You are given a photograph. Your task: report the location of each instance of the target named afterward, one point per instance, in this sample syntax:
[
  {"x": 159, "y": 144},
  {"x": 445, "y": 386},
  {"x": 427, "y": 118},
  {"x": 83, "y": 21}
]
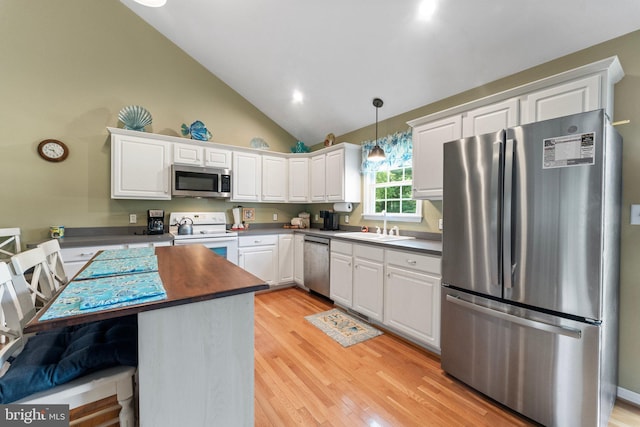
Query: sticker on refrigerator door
[{"x": 569, "y": 150}]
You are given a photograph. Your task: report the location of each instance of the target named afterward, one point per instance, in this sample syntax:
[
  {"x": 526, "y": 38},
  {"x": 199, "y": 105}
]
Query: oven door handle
[{"x": 204, "y": 240}]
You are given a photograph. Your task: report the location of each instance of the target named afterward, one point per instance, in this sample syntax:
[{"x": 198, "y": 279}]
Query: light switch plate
[
  {"x": 133, "y": 218},
  {"x": 635, "y": 214},
  {"x": 275, "y": 217},
  {"x": 440, "y": 224}
]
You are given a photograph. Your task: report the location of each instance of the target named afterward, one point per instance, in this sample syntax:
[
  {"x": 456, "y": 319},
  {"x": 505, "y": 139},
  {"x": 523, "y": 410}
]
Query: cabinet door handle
[
  {"x": 412, "y": 261},
  {"x": 257, "y": 241},
  {"x": 87, "y": 253}
]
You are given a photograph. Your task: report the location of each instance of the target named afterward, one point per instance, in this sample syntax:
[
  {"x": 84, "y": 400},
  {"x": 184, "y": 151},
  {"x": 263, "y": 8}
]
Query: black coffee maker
[
  {"x": 331, "y": 220},
  {"x": 155, "y": 221}
]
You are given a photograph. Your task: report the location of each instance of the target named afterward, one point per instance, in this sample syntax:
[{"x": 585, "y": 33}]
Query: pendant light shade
[{"x": 377, "y": 153}]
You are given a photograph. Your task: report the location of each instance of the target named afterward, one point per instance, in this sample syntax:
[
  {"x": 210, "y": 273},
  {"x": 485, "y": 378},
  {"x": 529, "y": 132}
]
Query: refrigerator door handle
[
  {"x": 558, "y": 330},
  {"x": 494, "y": 250},
  {"x": 507, "y": 266}
]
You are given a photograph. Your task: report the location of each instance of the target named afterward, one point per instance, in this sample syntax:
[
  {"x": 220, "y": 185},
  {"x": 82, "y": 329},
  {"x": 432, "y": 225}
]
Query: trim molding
[{"x": 629, "y": 396}]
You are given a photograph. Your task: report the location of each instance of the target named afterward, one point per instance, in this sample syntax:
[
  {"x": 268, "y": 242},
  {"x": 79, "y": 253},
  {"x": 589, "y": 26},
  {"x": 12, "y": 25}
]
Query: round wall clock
[{"x": 53, "y": 150}]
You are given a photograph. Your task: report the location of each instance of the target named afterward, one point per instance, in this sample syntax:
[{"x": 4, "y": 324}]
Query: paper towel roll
[{"x": 342, "y": 207}]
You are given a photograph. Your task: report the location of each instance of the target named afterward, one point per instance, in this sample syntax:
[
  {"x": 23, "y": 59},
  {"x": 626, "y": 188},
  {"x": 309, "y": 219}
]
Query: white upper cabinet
[
  {"x": 334, "y": 178},
  {"x": 575, "y": 91},
  {"x": 428, "y": 154},
  {"x": 185, "y": 154},
  {"x": 217, "y": 158},
  {"x": 317, "y": 174},
  {"x": 247, "y": 176},
  {"x": 194, "y": 155},
  {"x": 490, "y": 118},
  {"x": 274, "y": 179},
  {"x": 140, "y": 168},
  {"x": 298, "y": 180},
  {"x": 561, "y": 100},
  {"x": 335, "y": 175}
]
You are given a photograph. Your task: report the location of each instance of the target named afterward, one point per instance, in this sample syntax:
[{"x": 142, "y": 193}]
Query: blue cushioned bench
[{"x": 59, "y": 356}]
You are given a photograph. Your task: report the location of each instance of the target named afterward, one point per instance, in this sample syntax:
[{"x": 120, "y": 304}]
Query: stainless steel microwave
[{"x": 195, "y": 181}]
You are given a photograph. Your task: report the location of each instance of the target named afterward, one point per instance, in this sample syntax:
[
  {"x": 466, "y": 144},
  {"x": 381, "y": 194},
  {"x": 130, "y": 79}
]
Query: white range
[{"x": 209, "y": 229}]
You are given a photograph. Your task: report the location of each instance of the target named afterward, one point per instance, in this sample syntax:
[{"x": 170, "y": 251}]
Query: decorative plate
[
  {"x": 134, "y": 117},
  {"x": 197, "y": 130},
  {"x": 259, "y": 144}
]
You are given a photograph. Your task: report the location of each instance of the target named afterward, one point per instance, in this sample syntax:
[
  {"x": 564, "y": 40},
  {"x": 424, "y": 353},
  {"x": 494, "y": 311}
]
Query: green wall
[
  {"x": 67, "y": 67},
  {"x": 627, "y": 107}
]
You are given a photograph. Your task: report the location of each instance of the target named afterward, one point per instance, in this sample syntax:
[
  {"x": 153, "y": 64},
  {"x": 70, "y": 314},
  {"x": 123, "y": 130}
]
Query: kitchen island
[{"x": 196, "y": 347}]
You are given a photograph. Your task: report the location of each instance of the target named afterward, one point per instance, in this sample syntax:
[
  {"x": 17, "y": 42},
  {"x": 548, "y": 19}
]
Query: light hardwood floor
[{"x": 304, "y": 378}]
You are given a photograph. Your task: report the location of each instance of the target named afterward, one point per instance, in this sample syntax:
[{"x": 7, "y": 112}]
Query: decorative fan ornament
[{"x": 134, "y": 117}]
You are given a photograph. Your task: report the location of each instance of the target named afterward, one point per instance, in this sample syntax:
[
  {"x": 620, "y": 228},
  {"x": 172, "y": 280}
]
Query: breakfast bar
[{"x": 196, "y": 347}]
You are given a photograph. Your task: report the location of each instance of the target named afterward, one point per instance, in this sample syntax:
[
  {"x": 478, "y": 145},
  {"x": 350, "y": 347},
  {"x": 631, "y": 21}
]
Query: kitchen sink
[{"x": 372, "y": 237}]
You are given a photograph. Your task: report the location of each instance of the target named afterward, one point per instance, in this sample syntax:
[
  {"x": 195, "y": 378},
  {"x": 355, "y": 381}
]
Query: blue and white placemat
[
  {"x": 125, "y": 253},
  {"x": 87, "y": 296},
  {"x": 114, "y": 267}
]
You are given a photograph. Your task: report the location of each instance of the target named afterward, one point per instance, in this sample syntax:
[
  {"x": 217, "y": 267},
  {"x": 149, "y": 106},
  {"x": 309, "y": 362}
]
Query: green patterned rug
[{"x": 343, "y": 328}]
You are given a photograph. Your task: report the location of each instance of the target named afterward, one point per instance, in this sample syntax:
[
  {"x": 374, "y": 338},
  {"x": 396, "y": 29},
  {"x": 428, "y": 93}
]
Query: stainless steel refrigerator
[{"x": 530, "y": 267}]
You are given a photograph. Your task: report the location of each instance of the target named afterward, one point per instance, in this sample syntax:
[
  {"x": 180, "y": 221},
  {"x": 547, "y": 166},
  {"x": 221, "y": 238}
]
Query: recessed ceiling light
[
  {"x": 152, "y": 3},
  {"x": 426, "y": 10},
  {"x": 297, "y": 97}
]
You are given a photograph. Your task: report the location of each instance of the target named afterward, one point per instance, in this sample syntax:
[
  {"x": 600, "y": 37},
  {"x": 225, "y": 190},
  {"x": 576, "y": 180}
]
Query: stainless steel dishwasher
[{"x": 316, "y": 264}]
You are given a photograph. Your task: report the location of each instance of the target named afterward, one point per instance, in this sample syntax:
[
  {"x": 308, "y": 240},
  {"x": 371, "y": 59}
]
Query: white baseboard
[{"x": 629, "y": 396}]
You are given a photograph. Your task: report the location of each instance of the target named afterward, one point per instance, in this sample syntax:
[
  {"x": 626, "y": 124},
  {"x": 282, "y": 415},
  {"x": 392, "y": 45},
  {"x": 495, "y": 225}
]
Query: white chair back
[
  {"x": 52, "y": 251},
  {"x": 17, "y": 310},
  {"x": 41, "y": 283},
  {"x": 9, "y": 243}
]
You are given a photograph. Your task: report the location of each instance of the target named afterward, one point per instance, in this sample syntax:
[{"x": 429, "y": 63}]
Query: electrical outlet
[
  {"x": 133, "y": 218},
  {"x": 316, "y": 218},
  {"x": 440, "y": 224},
  {"x": 275, "y": 217},
  {"x": 346, "y": 219},
  {"x": 635, "y": 215}
]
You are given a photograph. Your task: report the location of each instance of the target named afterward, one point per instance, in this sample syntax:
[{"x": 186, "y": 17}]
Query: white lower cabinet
[
  {"x": 368, "y": 280},
  {"x": 76, "y": 258},
  {"x": 298, "y": 259},
  {"x": 285, "y": 258},
  {"x": 399, "y": 289},
  {"x": 412, "y": 295},
  {"x": 259, "y": 256},
  {"x": 341, "y": 273}
]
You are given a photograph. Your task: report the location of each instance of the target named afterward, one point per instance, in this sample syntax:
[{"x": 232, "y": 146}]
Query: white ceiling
[{"x": 340, "y": 54}]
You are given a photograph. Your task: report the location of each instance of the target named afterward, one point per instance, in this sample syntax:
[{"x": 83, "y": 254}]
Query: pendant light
[{"x": 377, "y": 153}]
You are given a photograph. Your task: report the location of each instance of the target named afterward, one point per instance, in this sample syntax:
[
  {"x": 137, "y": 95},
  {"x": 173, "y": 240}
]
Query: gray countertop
[
  {"x": 122, "y": 235},
  {"x": 430, "y": 246}
]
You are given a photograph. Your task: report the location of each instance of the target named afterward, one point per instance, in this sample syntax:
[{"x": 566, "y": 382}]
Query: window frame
[{"x": 368, "y": 209}]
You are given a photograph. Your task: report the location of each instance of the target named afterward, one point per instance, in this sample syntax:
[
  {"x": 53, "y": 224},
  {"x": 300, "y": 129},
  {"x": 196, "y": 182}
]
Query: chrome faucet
[{"x": 384, "y": 227}]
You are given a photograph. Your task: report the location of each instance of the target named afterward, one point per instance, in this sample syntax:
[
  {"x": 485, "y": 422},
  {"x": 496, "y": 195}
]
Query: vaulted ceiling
[{"x": 340, "y": 54}]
